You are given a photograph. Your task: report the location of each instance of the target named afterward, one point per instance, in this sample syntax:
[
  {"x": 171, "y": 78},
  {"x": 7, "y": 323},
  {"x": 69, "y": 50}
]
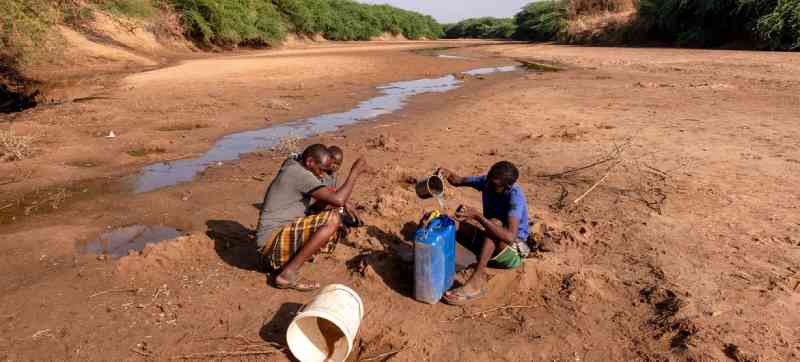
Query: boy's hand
[
  {"x": 464, "y": 213},
  {"x": 447, "y": 175}
]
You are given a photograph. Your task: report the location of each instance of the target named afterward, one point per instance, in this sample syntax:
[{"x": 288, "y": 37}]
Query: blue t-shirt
[{"x": 503, "y": 206}]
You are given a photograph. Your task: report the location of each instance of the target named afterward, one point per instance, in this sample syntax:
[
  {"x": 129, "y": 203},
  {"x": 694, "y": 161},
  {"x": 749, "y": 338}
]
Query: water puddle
[
  {"x": 438, "y": 53},
  {"x": 14, "y": 207},
  {"x": 448, "y": 56},
  {"x": 394, "y": 97},
  {"x": 432, "y": 51},
  {"x": 488, "y": 71},
  {"x": 540, "y": 66},
  {"x": 120, "y": 242}
]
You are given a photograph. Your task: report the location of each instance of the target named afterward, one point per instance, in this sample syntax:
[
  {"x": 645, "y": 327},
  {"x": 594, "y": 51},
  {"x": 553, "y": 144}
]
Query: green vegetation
[
  {"x": 481, "y": 28},
  {"x": 771, "y": 24},
  {"x": 541, "y": 20},
  {"x": 24, "y": 26},
  {"x": 780, "y": 27},
  {"x": 141, "y": 9},
  {"x": 231, "y": 22},
  {"x": 76, "y": 16},
  {"x": 254, "y": 22}
]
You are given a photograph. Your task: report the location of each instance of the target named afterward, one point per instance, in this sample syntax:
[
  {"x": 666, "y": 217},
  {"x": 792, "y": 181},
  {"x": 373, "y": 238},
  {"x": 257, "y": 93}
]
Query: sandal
[
  {"x": 459, "y": 297},
  {"x": 299, "y": 284}
]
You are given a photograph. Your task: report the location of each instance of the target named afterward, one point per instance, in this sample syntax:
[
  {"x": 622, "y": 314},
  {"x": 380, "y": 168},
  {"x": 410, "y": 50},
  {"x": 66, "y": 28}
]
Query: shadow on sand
[
  {"x": 234, "y": 243},
  {"x": 274, "y": 331}
]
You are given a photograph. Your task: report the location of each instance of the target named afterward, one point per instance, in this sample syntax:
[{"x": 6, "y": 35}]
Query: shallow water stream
[{"x": 393, "y": 98}]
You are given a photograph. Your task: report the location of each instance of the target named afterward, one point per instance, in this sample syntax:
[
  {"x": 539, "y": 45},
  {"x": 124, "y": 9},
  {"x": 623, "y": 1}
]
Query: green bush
[
  {"x": 481, "y": 28},
  {"x": 76, "y": 16},
  {"x": 780, "y": 27},
  {"x": 141, "y": 9},
  {"x": 768, "y": 23},
  {"x": 231, "y": 22},
  {"x": 24, "y": 29},
  {"x": 541, "y": 20},
  {"x": 259, "y": 22}
]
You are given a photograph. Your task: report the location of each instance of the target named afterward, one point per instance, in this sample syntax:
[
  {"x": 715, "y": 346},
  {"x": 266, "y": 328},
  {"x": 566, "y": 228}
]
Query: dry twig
[
  {"x": 222, "y": 354},
  {"x": 382, "y": 355},
  {"x": 595, "y": 185},
  {"x": 42, "y": 333},
  {"x": 578, "y": 169},
  {"x": 141, "y": 353},
  {"x": 110, "y": 291},
  {"x": 558, "y": 205},
  {"x": 495, "y": 309}
]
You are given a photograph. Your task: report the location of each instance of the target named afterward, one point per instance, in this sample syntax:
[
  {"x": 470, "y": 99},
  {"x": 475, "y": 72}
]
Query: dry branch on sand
[
  {"x": 131, "y": 290},
  {"x": 224, "y": 354},
  {"x": 490, "y": 310},
  {"x": 644, "y": 182},
  {"x": 381, "y": 356},
  {"x": 14, "y": 147}
]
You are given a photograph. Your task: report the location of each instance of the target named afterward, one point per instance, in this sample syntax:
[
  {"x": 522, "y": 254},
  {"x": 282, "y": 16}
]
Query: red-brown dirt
[{"x": 688, "y": 249}]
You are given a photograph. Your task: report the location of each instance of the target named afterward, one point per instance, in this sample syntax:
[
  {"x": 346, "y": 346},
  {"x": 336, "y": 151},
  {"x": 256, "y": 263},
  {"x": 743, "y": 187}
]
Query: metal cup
[{"x": 431, "y": 186}]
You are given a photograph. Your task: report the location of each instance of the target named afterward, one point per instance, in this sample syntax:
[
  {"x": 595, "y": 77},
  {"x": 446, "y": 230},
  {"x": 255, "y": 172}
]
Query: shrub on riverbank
[
  {"x": 24, "y": 28},
  {"x": 25, "y": 25},
  {"x": 541, "y": 20},
  {"x": 481, "y": 28},
  {"x": 226, "y": 22},
  {"x": 780, "y": 27},
  {"x": 772, "y": 24},
  {"x": 231, "y": 22}
]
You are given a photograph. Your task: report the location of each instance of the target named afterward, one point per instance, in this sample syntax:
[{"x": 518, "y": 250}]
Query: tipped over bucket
[{"x": 326, "y": 328}]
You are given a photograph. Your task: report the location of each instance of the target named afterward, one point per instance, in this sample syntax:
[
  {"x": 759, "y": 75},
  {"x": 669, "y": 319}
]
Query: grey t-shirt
[
  {"x": 287, "y": 198},
  {"x": 329, "y": 180}
]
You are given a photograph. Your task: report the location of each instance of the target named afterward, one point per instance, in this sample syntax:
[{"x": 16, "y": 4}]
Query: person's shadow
[
  {"x": 394, "y": 265},
  {"x": 274, "y": 331},
  {"x": 234, "y": 243}
]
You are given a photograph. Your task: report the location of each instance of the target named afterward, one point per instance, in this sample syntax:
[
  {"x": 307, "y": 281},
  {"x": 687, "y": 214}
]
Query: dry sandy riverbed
[{"x": 689, "y": 250}]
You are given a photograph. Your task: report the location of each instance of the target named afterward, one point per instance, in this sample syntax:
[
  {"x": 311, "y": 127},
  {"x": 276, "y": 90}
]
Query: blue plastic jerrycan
[{"x": 434, "y": 259}]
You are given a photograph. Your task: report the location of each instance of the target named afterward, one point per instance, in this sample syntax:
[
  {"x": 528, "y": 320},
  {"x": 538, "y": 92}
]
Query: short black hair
[
  {"x": 504, "y": 171},
  {"x": 316, "y": 152},
  {"x": 335, "y": 150}
]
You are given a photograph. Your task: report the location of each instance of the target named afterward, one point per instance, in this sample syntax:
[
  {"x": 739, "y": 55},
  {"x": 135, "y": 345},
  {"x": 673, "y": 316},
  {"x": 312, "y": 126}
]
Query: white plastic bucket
[{"x": 326, "y": 328}]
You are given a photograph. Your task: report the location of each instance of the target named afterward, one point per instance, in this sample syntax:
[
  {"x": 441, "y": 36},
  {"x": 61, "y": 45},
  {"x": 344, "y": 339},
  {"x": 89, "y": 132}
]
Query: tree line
[
  {"x": 762, "y": 24},
  {"x": 27, "y": 26}
]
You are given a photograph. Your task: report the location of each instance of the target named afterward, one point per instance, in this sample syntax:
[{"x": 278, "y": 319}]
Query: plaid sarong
[{"x": 285, "y": 242}]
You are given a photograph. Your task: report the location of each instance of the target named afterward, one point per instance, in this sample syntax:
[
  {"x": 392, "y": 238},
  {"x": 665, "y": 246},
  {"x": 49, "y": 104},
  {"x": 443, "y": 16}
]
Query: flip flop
[
  {"x": 458, "y": 297},
  {"x": 299, "y": 284}
]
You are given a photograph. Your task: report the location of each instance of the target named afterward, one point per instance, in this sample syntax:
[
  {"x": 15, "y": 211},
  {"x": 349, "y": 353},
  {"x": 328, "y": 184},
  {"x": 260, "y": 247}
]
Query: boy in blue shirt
[{"x": 503, "y": 241}]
